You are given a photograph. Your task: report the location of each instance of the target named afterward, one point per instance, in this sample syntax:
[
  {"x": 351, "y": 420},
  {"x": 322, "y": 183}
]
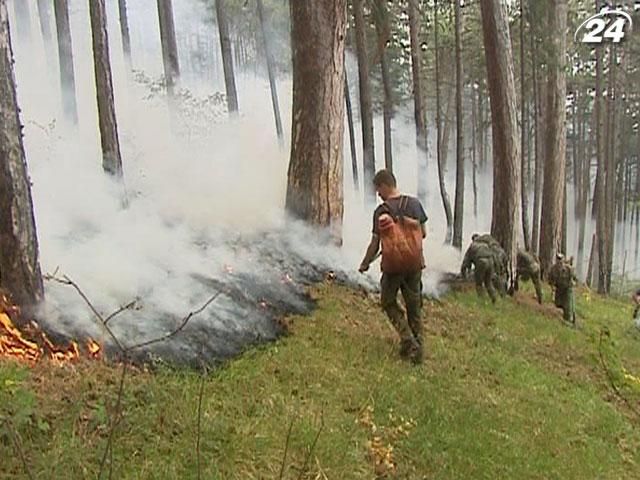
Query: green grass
[{"x": 505, "y": 392}]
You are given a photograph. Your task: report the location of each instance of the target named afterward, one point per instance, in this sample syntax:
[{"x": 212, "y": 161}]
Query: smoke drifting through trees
[{"x": 220, "y": 173}]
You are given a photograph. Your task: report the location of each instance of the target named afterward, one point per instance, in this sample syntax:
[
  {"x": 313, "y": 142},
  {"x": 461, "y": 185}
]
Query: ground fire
[{"x": 31, "y": 344}]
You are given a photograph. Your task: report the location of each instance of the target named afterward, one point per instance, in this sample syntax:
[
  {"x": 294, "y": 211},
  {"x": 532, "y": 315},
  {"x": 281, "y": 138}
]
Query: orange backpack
[{"x": 401, "y": 239}]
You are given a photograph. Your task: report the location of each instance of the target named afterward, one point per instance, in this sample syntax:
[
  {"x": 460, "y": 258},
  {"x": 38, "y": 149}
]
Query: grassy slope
[{"x": 506, "y": 392}]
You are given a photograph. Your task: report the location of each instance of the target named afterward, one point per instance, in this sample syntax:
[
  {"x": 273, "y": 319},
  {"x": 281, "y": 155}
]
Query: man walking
[
  {"x": 399, "y": 227},
  {"x": 562, "y": 278}
]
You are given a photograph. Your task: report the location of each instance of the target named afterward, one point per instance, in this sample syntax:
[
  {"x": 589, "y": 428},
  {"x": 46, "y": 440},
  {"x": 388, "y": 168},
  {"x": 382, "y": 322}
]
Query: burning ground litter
[{"x": 263, "y": 279}]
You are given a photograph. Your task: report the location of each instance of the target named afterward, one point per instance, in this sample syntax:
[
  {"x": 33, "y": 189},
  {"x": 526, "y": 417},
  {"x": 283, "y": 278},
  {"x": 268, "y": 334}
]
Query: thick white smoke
[{"x": 194, "y": 196}]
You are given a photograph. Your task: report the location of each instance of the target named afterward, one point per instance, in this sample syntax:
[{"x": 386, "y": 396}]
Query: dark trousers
[{"x": 410, "y": 285}]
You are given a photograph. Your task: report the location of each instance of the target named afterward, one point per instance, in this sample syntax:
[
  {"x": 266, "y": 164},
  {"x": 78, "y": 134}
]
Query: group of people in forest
[
  {"x": 398, "y": 231},
  {"x": 491, "y": 269}
]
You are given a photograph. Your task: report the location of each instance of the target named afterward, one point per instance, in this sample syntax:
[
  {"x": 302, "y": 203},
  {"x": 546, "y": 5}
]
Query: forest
[{"x": 186, "y": 192}]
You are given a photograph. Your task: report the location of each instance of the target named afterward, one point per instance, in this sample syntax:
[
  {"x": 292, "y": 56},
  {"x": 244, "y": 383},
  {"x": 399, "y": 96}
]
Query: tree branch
[{"x": 183, "y": 324}]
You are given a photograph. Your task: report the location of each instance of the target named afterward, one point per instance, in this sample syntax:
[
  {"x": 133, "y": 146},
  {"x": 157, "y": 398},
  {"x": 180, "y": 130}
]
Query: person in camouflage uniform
[
  {"x": 483, "y": 259},
  {"x": 500, "y": 263},
  {"x": 562, "y": 278},
  {"x": 528, "y": 268}
]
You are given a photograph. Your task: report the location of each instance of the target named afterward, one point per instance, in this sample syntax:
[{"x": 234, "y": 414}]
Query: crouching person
[{"x": 399, "y": 227}]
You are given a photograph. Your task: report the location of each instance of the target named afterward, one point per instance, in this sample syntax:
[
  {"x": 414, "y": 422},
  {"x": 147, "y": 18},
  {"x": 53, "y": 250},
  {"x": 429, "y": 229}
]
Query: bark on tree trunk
[
  {"x": 418, "y": 98},
  {"x": 111, "y": 158},
  {"x": 65, "y": 56},
  {"x": 506, "y": 151},
  {"x": 555, "y": 138},
  {"x": 366, "y": 112},
  {"x": 168, "y": 43},
  {"x": 459, "y": 200},
  {"x": 271, "y": 72},
  {"x": 19, "y": 265},
  {"x": 441, "y": 145},
  {"x": 315, "y": 180},
  {"x": 124, "y": 31}
]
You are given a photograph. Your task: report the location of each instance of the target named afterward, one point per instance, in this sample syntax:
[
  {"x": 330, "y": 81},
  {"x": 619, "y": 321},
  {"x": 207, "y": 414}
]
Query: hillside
[{"x": 505, "y": 392}]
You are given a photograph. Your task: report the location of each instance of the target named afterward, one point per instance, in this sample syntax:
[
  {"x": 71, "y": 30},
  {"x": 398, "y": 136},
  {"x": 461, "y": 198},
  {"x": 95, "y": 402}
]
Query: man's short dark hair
[{"x": 385, "y": 177}]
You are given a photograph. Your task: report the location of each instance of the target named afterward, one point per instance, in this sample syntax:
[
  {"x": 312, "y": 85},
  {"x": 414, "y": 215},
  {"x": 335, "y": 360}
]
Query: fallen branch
[{"x": 616, "y": 390}]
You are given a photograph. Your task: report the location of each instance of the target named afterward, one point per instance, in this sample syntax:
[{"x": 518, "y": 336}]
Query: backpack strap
[{"x": 400, "y": 210}]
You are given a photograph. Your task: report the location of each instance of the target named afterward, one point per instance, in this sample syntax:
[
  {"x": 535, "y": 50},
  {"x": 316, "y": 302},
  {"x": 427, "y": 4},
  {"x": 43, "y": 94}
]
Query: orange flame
[{"x": 14, "y": 344}]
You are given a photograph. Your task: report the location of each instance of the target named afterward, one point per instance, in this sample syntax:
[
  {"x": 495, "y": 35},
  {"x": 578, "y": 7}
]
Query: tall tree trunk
[
  {"x": 23, "y": 19},
  {"x": 19, "y": 265},
  {"x": 593, "y": 260},
  {"x": 111, "y": 158},
  {"x": 65, "y": 56},
  {"x": 506, "y": 151},
  {"x": 441, "y": 145},
  {"x": 611, "y": 166},
  {"x": 584, "y": 196},
  {"x": 352, "y": 133},
  {"x": 576, "y": 150},
  {"x": 523, "y": 132},
  {"x": 366, "y": 112},
  {"x": 555, "y": 138},
  {"x": 387, "y": 113},
  {"x": 459, "y": 200},
  {"x": 383, "y": 29},
  {"x": 599, "y": 197},
  {"x": 537, "y": 180},
  {"x": 168, "y": 43},
  {"x": 314, "y": 188},
  {"x": 474, "y": 152},
  {"x": 271, "y": 73},
  {"x": 124, "y": 31},
  {"x": 227, "y": 57},
  {"x": 481, "y": 132},
  {"x": 419, "y": 109}
]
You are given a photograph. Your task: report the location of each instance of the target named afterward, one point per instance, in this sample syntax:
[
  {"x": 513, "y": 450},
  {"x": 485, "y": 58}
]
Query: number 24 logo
[{"x": 598, "y": 23}]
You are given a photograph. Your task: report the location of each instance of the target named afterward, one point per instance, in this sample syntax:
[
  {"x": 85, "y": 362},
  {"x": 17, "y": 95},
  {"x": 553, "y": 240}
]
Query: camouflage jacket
[
  {"x": 527, "y": 263},
  {"x": 562, "y": 275},
  {"x": 476, "y": 252}
]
